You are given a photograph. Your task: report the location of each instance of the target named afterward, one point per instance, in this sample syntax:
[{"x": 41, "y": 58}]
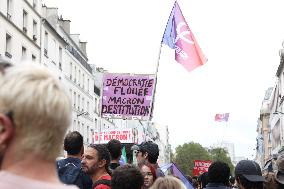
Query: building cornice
[
  {"x": 19, "y": 30},
  {"x": 45, "y": 21},
  {"x": 74, "y": 44},
  {"x": 32, "y": 8}
]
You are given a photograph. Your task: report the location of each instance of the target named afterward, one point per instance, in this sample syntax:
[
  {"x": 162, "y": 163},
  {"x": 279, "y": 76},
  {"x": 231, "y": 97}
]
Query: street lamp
[{"x": 83, "y": 113}]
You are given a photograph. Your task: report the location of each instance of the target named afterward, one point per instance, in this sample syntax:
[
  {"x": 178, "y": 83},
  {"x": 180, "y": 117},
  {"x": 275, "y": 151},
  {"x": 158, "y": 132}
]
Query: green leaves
[{"x": 188, "y": 152}]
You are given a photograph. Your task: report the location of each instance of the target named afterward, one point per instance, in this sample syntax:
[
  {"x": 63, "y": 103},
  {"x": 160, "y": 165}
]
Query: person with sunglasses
[{"x": 35, "y": 112}]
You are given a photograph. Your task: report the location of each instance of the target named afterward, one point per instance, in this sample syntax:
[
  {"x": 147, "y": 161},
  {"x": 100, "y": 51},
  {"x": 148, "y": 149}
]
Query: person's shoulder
[
  {"x": 67, "y": 187},
  {"x": 103, "y": 183},
  {"x": 102, "y": 186},
  {"x": 106, "y": 177}
]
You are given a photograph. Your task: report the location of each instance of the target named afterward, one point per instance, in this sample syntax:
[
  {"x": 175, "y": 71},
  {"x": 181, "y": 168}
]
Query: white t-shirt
[{"x": 11, "y": 181}]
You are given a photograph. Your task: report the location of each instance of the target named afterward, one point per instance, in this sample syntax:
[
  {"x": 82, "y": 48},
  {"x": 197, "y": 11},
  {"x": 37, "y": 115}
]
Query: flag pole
[
  {"x": 156, "y": 79},
  {"x": 158, "y": 63}
]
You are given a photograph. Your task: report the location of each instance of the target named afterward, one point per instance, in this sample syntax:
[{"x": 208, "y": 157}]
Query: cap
[
  {"x": 279, "y": 174},
  {"x": 149, "y": 147},
  {"x": 250, "y": 170}
]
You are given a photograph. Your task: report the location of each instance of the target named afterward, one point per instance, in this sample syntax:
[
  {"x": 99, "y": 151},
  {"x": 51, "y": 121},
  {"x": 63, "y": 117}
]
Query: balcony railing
[
  {"x": 34, "y": 37},
  {"x": 74, "y": 52},
  {"x": 45, "y": 51},
  {"x": 9, "y": 16},
  {"x": 25, "y": 29},
  {"x": 8, "y": 55}
]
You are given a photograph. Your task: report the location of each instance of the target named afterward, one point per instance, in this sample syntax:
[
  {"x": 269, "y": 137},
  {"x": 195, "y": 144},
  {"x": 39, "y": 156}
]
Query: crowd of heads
[{"x": 35, "y": 112}]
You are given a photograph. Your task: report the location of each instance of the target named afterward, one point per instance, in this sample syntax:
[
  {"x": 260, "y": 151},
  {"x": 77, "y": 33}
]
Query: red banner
[{"x": 200, "y": 166}]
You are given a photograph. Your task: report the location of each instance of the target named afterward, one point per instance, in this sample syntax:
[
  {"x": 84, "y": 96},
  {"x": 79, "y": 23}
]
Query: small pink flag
[{"x": 222, "y": 117}]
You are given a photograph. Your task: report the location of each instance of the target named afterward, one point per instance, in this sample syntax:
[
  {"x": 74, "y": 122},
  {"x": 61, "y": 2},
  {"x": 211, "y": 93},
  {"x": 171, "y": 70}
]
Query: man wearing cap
[
  {"x": 279, "y": 173},
  {"x": 149, "y": 152},
  {"x": 248, "y": 175}
]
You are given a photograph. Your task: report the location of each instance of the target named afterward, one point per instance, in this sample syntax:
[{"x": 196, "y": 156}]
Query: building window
[
  {"x": 79, "y": 98},
  {"x": 53, "y": 51},
  {"x": 75, "y": 75},
  {"x": 60, "y": 58},
  {"x": 8, "y": 46},
  {"x": 88, "y": 106},
  {"x": 88, "y": 134},
  {"x": 74, "y": 125},
  {"x": 45, "y": 43},
  {"x": 96, "y": 124},
  {"x": 74, "y": 98},
  {"x": 79, "y": 79},
  {"x": 34, "y": 4},
  {"x": 33, "y": 58},
  {"x": 9, "y": 9},
  {"x": 83, "y": 132},
  {"x": 78, "y": 127},
  {"x": 71, "y": 69},
  {"x": 34, "y": 30},
  {"x": 24, "y": 53},
  {"x": 25, "y": 21},
  {"x": 83, "y": 81},
  {"x": 96, "y": 101},
  {"x": 83, "y": 104},
  {"x": 88, "y": 85}
]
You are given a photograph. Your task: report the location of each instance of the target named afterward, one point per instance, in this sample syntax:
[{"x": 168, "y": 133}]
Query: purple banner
[{"x": 127, "y": 96}]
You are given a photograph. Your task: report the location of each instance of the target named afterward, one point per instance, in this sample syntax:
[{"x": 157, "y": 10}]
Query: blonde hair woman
[{"x": 168, "y": 182}]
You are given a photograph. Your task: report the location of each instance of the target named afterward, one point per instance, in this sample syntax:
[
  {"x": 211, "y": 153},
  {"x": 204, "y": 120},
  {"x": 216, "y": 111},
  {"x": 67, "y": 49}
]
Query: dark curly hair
[
  {"x": 73, "y": 143},
  {"x": 103, "y": 154},
  {"x": 219, "y": 172},
  {"x": 247, "y": 184},
  {"x": 152, "y": 149},
  {"x": 203, "y": 179},
  {"x": 126, "y": 177},
  {"x": 114, "y": 146}
]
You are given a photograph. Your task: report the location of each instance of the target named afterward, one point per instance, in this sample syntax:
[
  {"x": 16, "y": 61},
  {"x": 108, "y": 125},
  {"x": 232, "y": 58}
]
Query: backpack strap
[{"x": 102, "y": 181}]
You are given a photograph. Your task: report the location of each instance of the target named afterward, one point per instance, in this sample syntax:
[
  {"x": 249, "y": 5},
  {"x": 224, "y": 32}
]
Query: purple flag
[{"x": 178, "y": 36}]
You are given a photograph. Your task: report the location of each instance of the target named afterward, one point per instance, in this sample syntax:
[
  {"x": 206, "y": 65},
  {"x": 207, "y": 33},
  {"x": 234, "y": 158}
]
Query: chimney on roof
[
  {"x": 83, "y": 47},
  {"x": 65, "y": 24}
]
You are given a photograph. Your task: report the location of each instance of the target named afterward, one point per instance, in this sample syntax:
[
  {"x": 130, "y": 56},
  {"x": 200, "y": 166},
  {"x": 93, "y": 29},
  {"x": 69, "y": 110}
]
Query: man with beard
[
  {"x": 69, "y": 169},
  {"x": 95, "y": 163}
]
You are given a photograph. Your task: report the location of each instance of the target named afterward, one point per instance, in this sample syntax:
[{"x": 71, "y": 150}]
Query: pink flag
[
  {"x": 178, "y": 36},
  {"x": 222, "y": 117}
]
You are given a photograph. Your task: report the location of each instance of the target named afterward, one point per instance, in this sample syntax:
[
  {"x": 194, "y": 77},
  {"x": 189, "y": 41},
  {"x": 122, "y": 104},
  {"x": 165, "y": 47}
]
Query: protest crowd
[{"x": 35, "y": 113}]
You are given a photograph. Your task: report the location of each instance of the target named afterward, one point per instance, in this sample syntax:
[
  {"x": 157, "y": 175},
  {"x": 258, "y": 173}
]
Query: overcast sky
[{"x": 241, "y": 39}]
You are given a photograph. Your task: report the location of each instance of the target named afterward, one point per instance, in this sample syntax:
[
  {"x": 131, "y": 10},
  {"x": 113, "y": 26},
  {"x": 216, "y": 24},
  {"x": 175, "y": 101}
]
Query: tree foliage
[
  {"x": 220, "y": 154},
  {"x": 188, "y": 152}
]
